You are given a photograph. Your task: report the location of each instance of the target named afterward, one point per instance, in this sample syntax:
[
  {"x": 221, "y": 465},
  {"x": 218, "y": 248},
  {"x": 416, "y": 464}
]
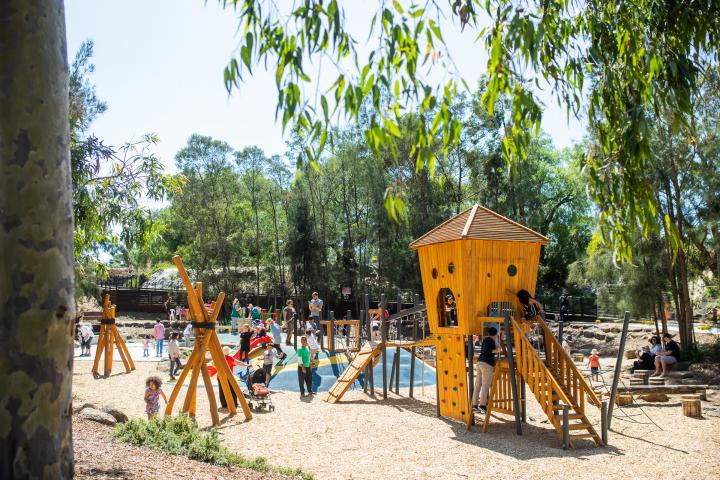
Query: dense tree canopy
[{"x": 624, "y": 61}]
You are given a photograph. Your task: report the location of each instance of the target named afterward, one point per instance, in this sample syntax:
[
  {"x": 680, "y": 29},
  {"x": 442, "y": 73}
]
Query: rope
[{"x": 205, "y": 325}]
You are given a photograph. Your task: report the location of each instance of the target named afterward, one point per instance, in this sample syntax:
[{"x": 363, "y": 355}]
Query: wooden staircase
[
  {"x": 554, "y": 382},
  {"x": 367, "y": 354}
]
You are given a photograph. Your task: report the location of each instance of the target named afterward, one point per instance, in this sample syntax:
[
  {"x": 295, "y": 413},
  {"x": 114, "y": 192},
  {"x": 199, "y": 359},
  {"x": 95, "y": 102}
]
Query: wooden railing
[
  {"x": 567, "y": 374},
  {"x": 538, "y": 378}
]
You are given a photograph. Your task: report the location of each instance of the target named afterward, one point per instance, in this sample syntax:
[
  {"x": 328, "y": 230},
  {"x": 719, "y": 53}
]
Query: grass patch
[{"x": 181, "y": 436}]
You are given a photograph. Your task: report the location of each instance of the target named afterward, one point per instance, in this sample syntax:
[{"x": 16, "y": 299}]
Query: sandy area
[{"x": 363, "y": 438}]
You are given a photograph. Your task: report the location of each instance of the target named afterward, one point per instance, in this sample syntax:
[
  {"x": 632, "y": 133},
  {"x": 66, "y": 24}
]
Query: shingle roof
[{"x": 479, "y": 223}]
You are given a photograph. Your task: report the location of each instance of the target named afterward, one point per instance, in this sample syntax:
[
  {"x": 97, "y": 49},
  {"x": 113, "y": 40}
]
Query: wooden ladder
[
  {"x": 553, "y": 386},
  {"x": 367, "y": 355}
]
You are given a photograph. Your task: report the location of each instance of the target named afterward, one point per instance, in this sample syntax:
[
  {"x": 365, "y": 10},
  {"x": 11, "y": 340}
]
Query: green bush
[
  {"x": 181, "y": 436},
  {"x": 703, "y": 352}
]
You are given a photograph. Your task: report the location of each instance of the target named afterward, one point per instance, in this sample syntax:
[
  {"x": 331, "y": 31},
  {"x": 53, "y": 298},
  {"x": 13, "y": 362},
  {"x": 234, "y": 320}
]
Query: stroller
[{"x": 259, "y": 394}]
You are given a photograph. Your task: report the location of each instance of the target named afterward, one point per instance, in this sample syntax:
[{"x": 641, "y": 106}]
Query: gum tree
[
  {"x": 621, "y": 61},
  {"x": 36, "y": 244}
]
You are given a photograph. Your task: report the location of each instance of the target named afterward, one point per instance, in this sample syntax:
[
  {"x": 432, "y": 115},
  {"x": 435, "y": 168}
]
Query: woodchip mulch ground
[
  {"x": 365, "y": 438},
  {"x": 99, "y": 456}
]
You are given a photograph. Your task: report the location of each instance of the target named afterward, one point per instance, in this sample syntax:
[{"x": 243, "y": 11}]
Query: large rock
[
  {"x": 83, "y": 406},
  {"x": 599, "y": 335},
  {"x": 588, "y": 334},
  {"x": 97, "y": 416},
  {"x": 118, "y": 414}
]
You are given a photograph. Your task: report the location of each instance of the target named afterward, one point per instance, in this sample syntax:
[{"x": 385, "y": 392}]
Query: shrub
[{"x": 181, "y": 436}]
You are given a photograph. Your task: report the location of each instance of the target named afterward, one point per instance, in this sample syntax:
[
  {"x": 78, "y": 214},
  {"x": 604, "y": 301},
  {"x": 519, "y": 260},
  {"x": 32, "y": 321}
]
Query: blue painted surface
[{"x": 325, "y": 376}]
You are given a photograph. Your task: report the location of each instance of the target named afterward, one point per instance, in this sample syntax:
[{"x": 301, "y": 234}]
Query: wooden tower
[
  {"x": 110, "y": 335},
  {"x": 206, "y": 340},
  {"x": 481, "y": 259}
]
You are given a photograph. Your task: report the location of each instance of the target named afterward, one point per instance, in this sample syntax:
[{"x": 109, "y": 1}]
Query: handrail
[
  {"x": 559, "y": 360},
  {"x": 536, "y": 374}
]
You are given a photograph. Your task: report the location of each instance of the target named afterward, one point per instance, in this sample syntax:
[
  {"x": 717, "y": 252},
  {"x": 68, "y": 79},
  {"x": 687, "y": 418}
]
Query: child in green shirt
[{"x": 304, "y": 372}]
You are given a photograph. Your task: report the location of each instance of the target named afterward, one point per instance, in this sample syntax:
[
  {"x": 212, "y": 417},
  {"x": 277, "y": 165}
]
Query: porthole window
[
  {"x": 447, "y": 308},
  {"x": 512, "y": 270},
  {"x": 451, "y": 267},
  {"x": 434, "y": 273}
]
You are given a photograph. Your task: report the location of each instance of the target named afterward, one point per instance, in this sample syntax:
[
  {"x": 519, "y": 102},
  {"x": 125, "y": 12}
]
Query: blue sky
[{"x": 159, "y": 67}]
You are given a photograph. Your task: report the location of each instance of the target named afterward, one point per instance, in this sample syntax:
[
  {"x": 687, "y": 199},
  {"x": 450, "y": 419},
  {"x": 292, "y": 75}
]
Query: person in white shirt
[
  {"x": 86, "y": 337},
  {"x": 187, "y": 333},
  {"x": 174, "y": 353},
  {"x": 313, "y": 345}
]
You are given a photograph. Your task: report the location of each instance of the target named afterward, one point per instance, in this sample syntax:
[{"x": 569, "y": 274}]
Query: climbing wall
[{"x": 452, "y": 378}]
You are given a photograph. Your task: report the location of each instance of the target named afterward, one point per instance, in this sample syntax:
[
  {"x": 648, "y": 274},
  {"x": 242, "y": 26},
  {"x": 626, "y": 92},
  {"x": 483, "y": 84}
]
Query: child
[
  {"x": 153, "y": 392},
  {"x": 245, "y": 337},
  {"x": 314, "y": 347},
  {"x": 268, "y": 358},
  {"x": 594, "y": 364},
  {"x": 174, "y": 354},
  {"x": 146, "y": 346}
]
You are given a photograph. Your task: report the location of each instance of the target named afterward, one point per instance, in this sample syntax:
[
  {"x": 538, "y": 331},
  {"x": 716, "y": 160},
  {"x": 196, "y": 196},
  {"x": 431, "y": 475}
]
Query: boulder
[
  {"x": 609, "y": 337},
  {"x": 654, "y": 397},
  {"x": 681, "y": 366},
  {"x": 630, "y": 354},
  {"x": 599, "y": 335},
  {"x": 117, "y": 414},
  {"x": 97, "y": 416},
  {"x": 588, "y": 334},
  {"x": 84, "y": 405}
]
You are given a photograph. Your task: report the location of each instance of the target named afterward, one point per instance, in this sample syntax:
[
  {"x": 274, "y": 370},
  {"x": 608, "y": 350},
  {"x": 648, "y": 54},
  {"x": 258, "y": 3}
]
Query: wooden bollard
[
  {"x": 637, "y": 381},
  {"x": 692, "y": 407},
  {"x": 623, "y": 399},
  {"x": 578, "y": 357},
  {"x": 643, "y": 379},
  {"x": 656, "y": 381}
]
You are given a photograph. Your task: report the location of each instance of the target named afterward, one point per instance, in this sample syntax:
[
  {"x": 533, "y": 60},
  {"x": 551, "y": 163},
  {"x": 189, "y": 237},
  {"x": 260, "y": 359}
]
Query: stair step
[
  {"x": 584, "y": 435},
  {"x": 579, "y": 426}
]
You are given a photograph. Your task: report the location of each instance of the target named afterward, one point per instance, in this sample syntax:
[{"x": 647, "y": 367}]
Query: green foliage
[
  {"x": 630, "y": 59},
  {"x": 181, "y": 436},
  {"x": 110, "y": 185}
]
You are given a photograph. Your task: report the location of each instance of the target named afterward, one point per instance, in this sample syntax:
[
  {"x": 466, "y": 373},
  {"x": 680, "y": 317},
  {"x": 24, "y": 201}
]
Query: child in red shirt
[{"x": 594, "y": 364}]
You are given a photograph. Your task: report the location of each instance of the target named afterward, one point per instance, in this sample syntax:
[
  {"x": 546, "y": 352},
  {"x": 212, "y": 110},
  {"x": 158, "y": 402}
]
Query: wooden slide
[{"x": 369, "y": 353}]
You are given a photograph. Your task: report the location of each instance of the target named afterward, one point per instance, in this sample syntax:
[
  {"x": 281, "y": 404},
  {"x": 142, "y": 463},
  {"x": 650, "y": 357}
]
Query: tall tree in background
[
  {"x": 109, "y": 183},
  {"x": 36, "y": 245},
  {"x": 625, "y": 59}
]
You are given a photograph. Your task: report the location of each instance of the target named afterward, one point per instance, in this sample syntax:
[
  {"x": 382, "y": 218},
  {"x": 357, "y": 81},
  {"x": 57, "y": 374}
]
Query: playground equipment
[
  {"x": 110, "y": 335},
  {"x": 472, "y": 266},
  {"x": 206, "y": 340}
]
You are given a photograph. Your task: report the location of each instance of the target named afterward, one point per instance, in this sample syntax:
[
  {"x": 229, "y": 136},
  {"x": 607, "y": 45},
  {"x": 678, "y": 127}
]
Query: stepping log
[
  {"x": 578, "y": 357},
  {"x": 637, "y": 381},
  {"x": 692, "y": 407},
  {"x": 656, "y": 381},
  {"x": 623, "y": 399}
]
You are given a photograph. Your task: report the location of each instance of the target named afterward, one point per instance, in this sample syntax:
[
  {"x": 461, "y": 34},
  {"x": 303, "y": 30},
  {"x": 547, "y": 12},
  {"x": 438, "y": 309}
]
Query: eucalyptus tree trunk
[{"x": 36, "y": 255}]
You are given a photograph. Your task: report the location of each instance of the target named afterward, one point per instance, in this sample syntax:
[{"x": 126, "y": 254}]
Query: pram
[{"x": 259, "y": 394}]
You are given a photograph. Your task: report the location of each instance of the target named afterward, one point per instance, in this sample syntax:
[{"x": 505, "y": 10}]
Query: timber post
[
  {"x": 604, "y": 422},
  {"x": 383, "y": 333},
  {"x": 513, "y": 381},
  {"x": 565, "y": 427},
  {"x": 618, "y": 367}
]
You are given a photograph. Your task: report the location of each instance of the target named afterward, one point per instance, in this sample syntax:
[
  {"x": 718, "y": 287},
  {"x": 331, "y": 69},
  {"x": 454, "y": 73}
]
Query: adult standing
[
  {"x": 289, "y": 320},
  {"x": 304, "y": 373},
  {"x": 485, "y": 371},
  {"x": 564, "y": 306},
  {"x": 187, "y": 333},
  {"x": 316, "y": 305},
  {"x": 234, "y": 315},
  {"x": 159, "y": 334}
]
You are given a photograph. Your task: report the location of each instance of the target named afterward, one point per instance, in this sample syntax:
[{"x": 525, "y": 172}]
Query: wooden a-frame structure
[
  {"x": 206, "y": 339},
  {"x": 109, "y": 334}
]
